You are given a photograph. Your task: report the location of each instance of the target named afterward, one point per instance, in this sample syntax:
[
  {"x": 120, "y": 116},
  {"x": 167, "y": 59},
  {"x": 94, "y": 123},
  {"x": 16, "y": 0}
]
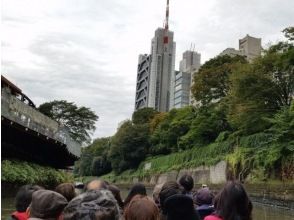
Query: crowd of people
[{"x": 100, "y": 200}]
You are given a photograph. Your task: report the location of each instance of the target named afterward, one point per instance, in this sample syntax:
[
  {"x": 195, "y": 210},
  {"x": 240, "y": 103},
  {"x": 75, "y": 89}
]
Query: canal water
[{"x": 260, "y": 212}]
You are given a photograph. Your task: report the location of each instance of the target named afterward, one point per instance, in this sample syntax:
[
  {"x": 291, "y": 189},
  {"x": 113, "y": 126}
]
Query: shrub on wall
[{"x": 22, "y": 172}]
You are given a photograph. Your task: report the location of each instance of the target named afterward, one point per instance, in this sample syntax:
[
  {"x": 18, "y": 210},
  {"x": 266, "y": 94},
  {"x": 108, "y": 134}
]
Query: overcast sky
[{"x": 86, "y": 51}]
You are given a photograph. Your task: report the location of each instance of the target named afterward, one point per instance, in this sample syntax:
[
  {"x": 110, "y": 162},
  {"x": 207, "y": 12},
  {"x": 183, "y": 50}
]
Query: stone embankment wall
[
  {"x": 279, "y": 194},
  {"x": 203, "y": 174}
]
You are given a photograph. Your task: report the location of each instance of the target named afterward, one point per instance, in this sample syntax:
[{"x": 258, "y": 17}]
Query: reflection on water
[{"x": 260, "y": 212}]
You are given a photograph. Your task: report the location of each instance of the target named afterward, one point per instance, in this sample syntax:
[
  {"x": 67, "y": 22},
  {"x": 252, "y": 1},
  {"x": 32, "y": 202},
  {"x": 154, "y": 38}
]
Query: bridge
[{"x": 27, "y": 134}]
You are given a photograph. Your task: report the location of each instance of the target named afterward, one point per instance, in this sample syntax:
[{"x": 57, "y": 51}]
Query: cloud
[{"x": 87, "y": 51}]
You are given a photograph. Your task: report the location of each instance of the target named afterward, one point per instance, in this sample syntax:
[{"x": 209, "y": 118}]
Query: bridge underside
[{"x": 22, "y": 143}]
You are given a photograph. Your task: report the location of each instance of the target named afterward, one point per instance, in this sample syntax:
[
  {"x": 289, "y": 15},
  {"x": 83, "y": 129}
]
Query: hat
[
  {"x": 179, "y": 207},
  {"x": 203, "y": 196},
  {"x": 91, "y": 204},
  {"x": 47, "y": 204}
]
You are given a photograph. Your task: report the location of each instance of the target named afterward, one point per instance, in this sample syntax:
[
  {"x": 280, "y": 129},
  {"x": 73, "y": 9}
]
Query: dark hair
[
  {"x": 180, "y": 207},
  {"x": 67, "y": 190},
  {"x": 23, "y": 197},
  {"x": 187, "y": 182},
  {"x": 92, "y": 205},
  {"x": 168, "y": 189},
  {"x": 233, "y": 202},
  {"x": 137, "y": 189},
  {"x": 141, "y": 208},
  {"x": 116, "y": 193}
]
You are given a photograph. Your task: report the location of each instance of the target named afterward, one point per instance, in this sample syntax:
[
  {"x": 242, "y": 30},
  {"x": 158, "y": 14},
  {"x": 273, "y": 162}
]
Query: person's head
[
  {"x": 203, "y": 197},
  {"x": 92, "y": 205},
  {"x": 168, "y": 189},
  {"x": 23, "y": 197},
  {"x": 116, "y": 193},
  {"x": 46, "y": 204},
  {"x": 155, "y": 194},
  {"x": 141, "y": 208},
  {"x": 187, "y": 182},
  {"x": 233, "y": 202},
  {"x": 178, "y": 207},
  {"x": 67, "y": 190},
  {"x": 96, "y": 185},
  {"x": 137, "y": 189}
]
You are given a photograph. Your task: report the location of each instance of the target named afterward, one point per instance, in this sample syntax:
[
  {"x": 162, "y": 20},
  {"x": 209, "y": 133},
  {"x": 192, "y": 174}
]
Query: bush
[{"x": 22, "y": 172}]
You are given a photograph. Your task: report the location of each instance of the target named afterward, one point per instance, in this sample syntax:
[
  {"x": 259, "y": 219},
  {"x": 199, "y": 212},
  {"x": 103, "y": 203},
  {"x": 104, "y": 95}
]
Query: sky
[{"x": 86, "y": 51}]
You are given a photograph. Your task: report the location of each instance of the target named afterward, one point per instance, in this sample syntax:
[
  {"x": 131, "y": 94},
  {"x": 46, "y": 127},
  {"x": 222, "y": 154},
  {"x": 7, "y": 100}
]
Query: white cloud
[{"x": 86, "y": 51}]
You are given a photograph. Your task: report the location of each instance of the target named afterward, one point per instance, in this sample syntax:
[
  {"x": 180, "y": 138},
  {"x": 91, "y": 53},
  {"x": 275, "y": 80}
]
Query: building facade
[
  {"x": 249, "y": 47},
  {"x": 143, "y": 76},
  {"x": 161, "y": 86},
  {"x": 182, "y": 89},
  {"x": 189, "y": 65}
]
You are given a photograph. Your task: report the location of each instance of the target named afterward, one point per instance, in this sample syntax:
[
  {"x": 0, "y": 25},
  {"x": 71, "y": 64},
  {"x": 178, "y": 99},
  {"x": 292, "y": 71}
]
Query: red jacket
[
  {"x": 20, "y": 215},
  {"x": 212, "y": 217}
]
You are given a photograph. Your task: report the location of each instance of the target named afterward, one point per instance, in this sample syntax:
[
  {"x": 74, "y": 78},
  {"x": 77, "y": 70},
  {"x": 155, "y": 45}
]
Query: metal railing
[{"x": 16, "y": 111}]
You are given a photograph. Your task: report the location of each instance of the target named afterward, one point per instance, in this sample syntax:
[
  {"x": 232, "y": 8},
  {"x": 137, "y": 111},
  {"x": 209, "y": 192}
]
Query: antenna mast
[{"x": 165, "y": 38}]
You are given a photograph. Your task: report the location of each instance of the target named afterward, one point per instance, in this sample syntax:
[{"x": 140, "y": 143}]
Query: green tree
[
  {"x": 208, "y": 123},
  {"x": 289, "y": 33},
  {"x": 144, "y": 115},
  {"x": 260, "y": 89},
  {"x": 79, "y": 120},
  {"x": 211, "y": 82},
  {"x": 166, "y": 136},
  {"x": 129, "y": 146}
]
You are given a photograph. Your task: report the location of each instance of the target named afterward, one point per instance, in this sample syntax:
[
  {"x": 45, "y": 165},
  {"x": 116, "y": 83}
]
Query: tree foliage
[
  {"x": 260, "y": 89},
  {"x": 79, "y": 120},
  {"x": 211, "y": 82},
  {"x": 94, "y": 159},
  {"x": 143, "y": 115},
  {"x": 129, "y": 146}
]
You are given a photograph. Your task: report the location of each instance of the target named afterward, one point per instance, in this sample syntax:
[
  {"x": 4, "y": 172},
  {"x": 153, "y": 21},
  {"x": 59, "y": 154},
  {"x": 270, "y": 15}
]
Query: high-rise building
[
  {"x": 183, "y": 78},
  {"x": 161, "y": 87},
  {"x": 160, "y": 70},
  {"x": 182, "y": 89},
  {"x": 190, "y": 61},
  {"x": 250, "y": 47},
  {"x": 143, "y": 75}
]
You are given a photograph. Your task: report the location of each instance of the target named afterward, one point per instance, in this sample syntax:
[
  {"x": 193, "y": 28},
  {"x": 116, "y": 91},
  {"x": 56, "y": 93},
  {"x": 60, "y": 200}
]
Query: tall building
[
  {"x": 190, "y": 61},
  {"x": 162, "y": 71},
  {"x": 182, "y": 89},
  {"x": 158, "y": 90},
  {"x": 143, "y": 75},
  {"x": 250, "y": 47},
  {"x": 183, "y": 78}
]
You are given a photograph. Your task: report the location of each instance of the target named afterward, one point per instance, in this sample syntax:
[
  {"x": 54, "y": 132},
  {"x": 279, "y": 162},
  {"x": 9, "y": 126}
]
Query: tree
[
  {"x": 289, "y": 33},
  {"x": 129, "y": 146},
  {"x": 165, "y": 137},
  {"x": 94, "y": 158},
  {"x": 211, "y": 82},
  {"x": 79, "y": 120},
  {"x": 208, "y": 123},
  {"x": 144, "y": 115},
  {"x": 260, "y": 89}
]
